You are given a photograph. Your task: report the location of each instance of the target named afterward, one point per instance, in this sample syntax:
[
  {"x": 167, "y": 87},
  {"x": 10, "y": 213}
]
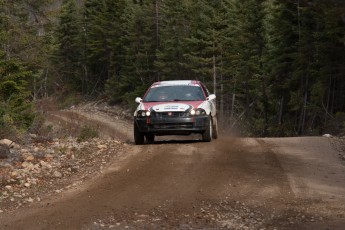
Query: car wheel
[
  {"x": 138, "y": 136},
  {"x": 207, "y": 134},
  {"x": 150, "y": 138},
  {"x": 215, "y": 129}
]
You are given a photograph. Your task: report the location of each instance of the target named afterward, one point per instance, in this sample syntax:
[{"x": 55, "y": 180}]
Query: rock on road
[{"x": 230, "y": 183}]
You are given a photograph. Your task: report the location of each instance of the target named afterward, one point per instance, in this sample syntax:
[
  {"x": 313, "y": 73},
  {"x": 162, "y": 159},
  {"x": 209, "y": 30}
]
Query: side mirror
[
  {"x": 138, "y": 100},
  {"x": 211, "y": 97}
]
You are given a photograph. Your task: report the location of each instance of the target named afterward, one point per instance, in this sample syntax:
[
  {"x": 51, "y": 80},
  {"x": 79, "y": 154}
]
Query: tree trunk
[
  {"x": 281, "y": 107},
  {"x": 157, "y": 32},
  {"x": 232, "y": 108}
]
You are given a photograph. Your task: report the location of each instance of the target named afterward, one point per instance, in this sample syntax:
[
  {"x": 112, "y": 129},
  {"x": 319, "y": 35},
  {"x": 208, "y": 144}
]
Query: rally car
[{"x": 175, "y": 108}]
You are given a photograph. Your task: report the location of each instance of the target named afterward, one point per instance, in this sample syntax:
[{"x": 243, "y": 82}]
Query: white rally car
[{"x": 175, "y": 108}]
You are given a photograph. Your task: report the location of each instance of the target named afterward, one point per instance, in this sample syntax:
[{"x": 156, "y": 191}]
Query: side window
[{"x": 205, "y": 90}]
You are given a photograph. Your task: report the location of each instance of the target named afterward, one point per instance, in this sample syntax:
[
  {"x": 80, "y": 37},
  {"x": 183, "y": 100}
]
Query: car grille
[
  {"x": 170, "y": 114},
  {"x": 173, "y": 126}
]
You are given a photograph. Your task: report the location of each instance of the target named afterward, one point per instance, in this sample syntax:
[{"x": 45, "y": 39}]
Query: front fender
[
  {"x": 140, "y": 107},
  {"x": 206, "y": 105}
]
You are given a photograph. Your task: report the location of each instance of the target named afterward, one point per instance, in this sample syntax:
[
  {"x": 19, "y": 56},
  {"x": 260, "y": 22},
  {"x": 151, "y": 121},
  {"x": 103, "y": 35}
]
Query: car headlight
[
  {"x": 143, "y": 113},
  {"x": 197, "y": 112}
]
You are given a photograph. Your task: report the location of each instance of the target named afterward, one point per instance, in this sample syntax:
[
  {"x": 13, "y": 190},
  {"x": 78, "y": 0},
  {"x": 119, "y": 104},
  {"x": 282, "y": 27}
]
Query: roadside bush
[
  {"x": 16, "y": 108},
  {"x": 336, "y": 126},
  {"x": 16, "y": 116},
  {"x": 69, "y": 100},
  {"x": 281, "y": 130},
  {"x": 37, "y": 123},
  {"x": 7, "y": 127},
  {"x": 87, "y": 133}
]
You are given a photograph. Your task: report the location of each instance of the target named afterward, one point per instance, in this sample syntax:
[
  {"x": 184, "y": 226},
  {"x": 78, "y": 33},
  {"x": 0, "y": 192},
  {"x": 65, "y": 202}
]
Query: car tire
[
  {"x": 215, "y": 129},
  {"x": 150, "y": 138},
  {"x": 207, "y": 134},
  {"x": 138, "y": 136}
]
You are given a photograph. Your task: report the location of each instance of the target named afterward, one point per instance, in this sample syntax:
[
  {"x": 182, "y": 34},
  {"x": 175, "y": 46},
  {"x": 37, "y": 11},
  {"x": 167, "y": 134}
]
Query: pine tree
[
  {"x": 69, "y": 45},
  {"x": 103, "y": 32},
  {"x": 298, "y": 62},
  {"x": 170, "y": 63},
  {"x": 327, "y": 67},
  {"x": 199, "y": 47},
  {"x": 244, "y": 48},
  {"x": 282, "y": 46},
  {"x": 140, "y": 43},
  {"x": 16, "y": 110},
  {"x": 203, "y": 46}
]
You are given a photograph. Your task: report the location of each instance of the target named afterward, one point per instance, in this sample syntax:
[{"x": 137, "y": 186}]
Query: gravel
[{"x": 32, "y": 171}]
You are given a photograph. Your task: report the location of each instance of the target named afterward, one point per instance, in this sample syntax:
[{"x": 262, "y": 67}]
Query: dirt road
[{"x": 230, "y": 183}]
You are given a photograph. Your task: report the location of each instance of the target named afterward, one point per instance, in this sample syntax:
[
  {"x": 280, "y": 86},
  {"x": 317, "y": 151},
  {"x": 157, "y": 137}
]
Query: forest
[{"x": 276, "y": 66}]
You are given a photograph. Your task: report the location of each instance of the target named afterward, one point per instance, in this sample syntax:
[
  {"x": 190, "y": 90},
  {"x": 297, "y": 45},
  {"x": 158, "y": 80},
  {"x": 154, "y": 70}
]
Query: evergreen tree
[
  {"x": 245, "y": 46},
  {"x": 277, "y": 66},
  {"x": 174, "y": 29},
  {"x": 26, "y": 26},
  {"x": 20, "y": 63},
  {"x": 297, "y": 64},
  {"x": 69, "y": 51},
  {"x": 139, "y": 47},
  {"x": 282, "y": 47},
  {"x": 199, "y": 45},
  {"x": 203, "y": 48},
  {"x": 16, "y": 110},
  {"x": 103, "y": 32},
  {"x": 327, "y": 67}
]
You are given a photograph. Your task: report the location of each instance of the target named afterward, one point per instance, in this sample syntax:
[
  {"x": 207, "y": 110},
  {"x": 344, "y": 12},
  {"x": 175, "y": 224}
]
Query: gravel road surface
[{"x": 230, "y": 183}]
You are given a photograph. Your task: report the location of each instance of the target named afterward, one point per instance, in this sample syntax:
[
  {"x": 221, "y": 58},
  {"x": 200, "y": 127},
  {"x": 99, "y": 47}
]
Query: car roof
[{"x": 176, "y": 82}]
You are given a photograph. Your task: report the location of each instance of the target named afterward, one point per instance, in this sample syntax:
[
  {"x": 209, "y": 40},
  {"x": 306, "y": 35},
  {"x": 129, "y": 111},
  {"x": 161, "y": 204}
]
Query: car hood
[{"x": 171, "y": 106}]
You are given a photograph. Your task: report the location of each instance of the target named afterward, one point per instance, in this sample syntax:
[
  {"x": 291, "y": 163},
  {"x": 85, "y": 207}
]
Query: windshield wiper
[{"x": 184, "y": 100}]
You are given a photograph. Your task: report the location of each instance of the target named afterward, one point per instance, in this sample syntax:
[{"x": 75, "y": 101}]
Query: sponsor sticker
[{"x": 170, "y": 107}]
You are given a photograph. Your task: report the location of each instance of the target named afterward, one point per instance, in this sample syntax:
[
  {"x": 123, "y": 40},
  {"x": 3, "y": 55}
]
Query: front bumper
[{"x": 172, "y": 125}]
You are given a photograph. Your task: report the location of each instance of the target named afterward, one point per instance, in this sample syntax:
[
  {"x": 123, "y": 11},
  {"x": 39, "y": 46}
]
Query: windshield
[{"x": 174, "y": 93}]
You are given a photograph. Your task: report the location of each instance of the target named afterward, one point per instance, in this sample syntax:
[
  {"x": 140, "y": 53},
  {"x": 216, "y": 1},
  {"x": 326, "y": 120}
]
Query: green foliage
[
  {"x": 69, "y": 45},
  {"x": 66, "y": 101},
  {"x": 103, "y": 31},
  {"x": 282, "y": 62},
  {"x": 336, "y": 125},
  {"x": 203, "y": 44},
  {"x": 243, "y": 47},
  {"x": 139, "y": 51},
  {"x": 298, "y": 63},
  {"x": 16, "y": 111},
  {"x": 23, "y": 55},
  {"x": 86, "y": 133},
  {"x": 173, "y": 31}
]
